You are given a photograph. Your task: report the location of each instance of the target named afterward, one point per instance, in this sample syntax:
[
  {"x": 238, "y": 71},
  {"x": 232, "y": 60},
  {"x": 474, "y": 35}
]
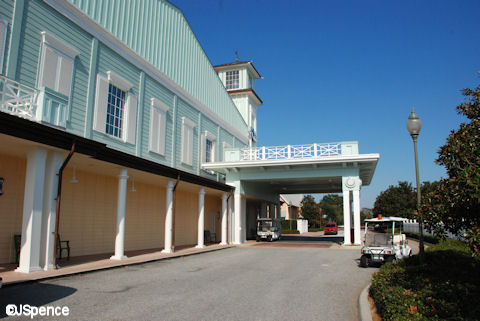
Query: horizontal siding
[{"x": 159, "y": 32}]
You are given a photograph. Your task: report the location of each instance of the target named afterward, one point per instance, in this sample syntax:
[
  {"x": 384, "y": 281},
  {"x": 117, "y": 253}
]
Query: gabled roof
[{"x": 248, "y": 64}]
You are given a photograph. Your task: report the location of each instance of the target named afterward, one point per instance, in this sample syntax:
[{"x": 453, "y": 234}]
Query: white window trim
[
  {"x": 129, "y": 114},
  {"x": 3, "y": 43},
  {"x": 162, "y": 110},
  {"x": 118, "y": 81},
  {"x": 52, "y": 42},
  {"x": 213, "y": 158},
  {"x": 191, "y": 125}
]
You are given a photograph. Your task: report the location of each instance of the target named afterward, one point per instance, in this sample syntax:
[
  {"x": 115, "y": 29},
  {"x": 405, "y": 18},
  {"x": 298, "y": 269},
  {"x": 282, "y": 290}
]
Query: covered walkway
[{"x": 261, "y": 174}]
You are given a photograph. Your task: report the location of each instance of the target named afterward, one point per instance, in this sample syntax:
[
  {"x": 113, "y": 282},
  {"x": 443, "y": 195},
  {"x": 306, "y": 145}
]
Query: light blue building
[{"x": 119, "y": 100}]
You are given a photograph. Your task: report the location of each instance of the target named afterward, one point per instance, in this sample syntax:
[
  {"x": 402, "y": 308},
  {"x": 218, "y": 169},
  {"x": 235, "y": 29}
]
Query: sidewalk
[{"x": 82, "y": 264}]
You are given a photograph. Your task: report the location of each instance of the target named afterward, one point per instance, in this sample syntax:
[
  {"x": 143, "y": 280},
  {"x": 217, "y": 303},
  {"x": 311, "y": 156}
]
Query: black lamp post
[{"x": 414, "y": 124}]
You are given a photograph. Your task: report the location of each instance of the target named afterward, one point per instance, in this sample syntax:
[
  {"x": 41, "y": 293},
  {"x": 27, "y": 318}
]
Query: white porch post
[
  {"x": 238, "y": 218},
  {"x": 201, "y": 219},
  {"x": 230, "y": 220},
  {"x": 53, "y": 164},
  {"x": 169, "y": 218},
  {"x": 224, "y": 219},
  {"x": 121, "y": 202},
  {"x": 356, "y": 215},
  {"x": 32, "y": 211},
  {"x": 346, "y": 216}
]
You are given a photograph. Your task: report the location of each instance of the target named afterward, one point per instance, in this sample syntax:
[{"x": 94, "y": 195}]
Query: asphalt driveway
[{"x": 244, "y": 283}]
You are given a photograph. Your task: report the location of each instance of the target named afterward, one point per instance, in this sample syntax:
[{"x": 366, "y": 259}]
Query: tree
[
  {"x": 332, "y": 206},
  {"x": 365, "y": 213},
  {"x": 454, "y": 204},
  {"x": 311, "y": 211},
  {"x": 396, "y": 201}
]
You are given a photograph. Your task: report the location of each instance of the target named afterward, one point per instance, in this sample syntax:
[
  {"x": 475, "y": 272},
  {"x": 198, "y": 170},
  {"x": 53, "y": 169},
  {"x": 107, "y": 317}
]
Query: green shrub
[
  {"x": 315, "y": 229},
  {"x": 445, "y": 287},
  {"x": 290, "y": 232},
  {"x": 289, "y": 225}
]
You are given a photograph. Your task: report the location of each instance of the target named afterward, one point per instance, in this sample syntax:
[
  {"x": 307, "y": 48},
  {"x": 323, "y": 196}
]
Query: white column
[
  {"x": 346, "y": 217},
  {"x": 238, "y": 219},
  {"x": 121, "y": 202},
  {"x": 230, "y": 220},
  {"x": 201, "y": 219},
  {"x": 169, "y": 218},
  {"x": 356, "y": 216},
  {"x": 32, "y": 211},
  {"x": 53, "y": 164},
  {"x": 224, "y": 219}
]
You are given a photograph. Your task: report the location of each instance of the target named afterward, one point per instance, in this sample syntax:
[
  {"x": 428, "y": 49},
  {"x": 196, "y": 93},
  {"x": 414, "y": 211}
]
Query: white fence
[{"x": 302, "y": 226}]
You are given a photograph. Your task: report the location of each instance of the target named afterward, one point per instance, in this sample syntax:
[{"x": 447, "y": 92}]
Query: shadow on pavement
[
  {"x": 299, "y": 238},
  {"x": 34, "y": 294}
]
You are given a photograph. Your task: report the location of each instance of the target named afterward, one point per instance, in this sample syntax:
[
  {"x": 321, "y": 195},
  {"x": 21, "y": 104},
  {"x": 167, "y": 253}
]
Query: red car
[{"x": 331, "y": 228}]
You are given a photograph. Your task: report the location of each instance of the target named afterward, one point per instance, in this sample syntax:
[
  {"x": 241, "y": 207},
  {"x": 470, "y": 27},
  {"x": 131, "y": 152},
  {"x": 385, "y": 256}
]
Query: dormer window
[{"x": 233, "y": 79}]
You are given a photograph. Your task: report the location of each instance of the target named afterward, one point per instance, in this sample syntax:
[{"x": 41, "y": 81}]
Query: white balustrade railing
[
  {"x": 291, "y": 152},
  {"x": 17, "y": 99}
]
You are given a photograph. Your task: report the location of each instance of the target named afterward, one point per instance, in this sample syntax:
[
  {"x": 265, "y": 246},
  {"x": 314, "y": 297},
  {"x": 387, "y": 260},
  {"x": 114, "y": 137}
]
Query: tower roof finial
[{"x": 236, "y": 55}]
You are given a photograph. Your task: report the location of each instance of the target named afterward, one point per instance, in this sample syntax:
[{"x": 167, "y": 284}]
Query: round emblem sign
[{"x": 350, "y": 182}]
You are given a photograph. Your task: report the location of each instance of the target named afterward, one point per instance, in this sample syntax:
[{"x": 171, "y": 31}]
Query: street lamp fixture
[{"x": 414, "y": 124}]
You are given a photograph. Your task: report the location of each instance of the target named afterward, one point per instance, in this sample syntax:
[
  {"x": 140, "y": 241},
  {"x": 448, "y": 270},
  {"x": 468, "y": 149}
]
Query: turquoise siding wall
[
  {"x": 39, "y": 17},
  {"x": 158, "y": 32}
]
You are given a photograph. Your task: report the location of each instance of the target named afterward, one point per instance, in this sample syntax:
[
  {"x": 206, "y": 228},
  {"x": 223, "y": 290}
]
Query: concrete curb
[{"x": 364, "y": 305}]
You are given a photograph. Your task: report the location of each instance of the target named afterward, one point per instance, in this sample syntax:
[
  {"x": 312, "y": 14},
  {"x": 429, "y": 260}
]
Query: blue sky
[{"x": 351, "y": 70}]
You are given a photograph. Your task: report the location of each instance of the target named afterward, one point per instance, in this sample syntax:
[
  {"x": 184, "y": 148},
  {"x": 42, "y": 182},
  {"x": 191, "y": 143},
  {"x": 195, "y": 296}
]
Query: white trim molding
[
  {"x": 59, "y": 45},
  {"x": 118, "y": 81}
]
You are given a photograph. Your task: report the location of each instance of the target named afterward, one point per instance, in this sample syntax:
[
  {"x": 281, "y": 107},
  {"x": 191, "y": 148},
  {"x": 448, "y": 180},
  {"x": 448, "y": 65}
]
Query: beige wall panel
[
  {"x": 145, "y": 217},
  {"x": 12, "y": 170},
  {"x": 186, "y": 218},
  {"x": 88, "y": 213}
]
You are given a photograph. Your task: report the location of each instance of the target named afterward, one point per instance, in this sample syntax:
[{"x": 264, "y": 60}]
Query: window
[
  {"x": 115, "y": 106},
  {"x": 3, "y": 40},
  {"x": 208, "y": 150},
  {"x": 115, "y": 111},
  {"x": 208, "y": 147},
  {"x": 187, "y": 141},
  {"x": 56, "y": 65},
  {"x": 158, "y": 114},
  {"x": 233, "y": 80}
]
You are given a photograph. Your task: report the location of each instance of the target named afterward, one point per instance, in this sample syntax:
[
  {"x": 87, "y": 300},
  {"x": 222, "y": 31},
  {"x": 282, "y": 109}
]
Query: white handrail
[
  {"x": 18, "y": 99},
  {"x": 291, "y": 151}
]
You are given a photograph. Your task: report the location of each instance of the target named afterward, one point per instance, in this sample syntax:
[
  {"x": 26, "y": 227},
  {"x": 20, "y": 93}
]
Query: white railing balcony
[
  {"x": 40, "y": 105},
  {"x": 291, "y": 152},
  {"x": 18, "y": 99}
]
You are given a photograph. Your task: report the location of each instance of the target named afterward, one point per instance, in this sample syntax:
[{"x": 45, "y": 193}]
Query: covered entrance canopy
[{"x": 265, "y": 172}]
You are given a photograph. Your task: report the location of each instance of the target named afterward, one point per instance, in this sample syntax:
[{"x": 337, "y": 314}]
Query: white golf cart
[
  {"x": 384, "y": 241},
  {"x": 268, "y": 229}
]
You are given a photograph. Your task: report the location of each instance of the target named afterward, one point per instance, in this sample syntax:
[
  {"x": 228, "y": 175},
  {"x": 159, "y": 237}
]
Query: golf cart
[
  {"x": 384, "y": 241},
  {"x": 268, "y": 229}
]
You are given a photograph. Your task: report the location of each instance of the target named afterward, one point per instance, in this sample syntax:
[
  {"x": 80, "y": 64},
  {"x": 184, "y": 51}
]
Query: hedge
[
  {"x": 445, "y": 287},
  {"x": 287, "y": 226},
  {"x": 427, "y": 238},
  {"x": 290, "y": 232}
]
